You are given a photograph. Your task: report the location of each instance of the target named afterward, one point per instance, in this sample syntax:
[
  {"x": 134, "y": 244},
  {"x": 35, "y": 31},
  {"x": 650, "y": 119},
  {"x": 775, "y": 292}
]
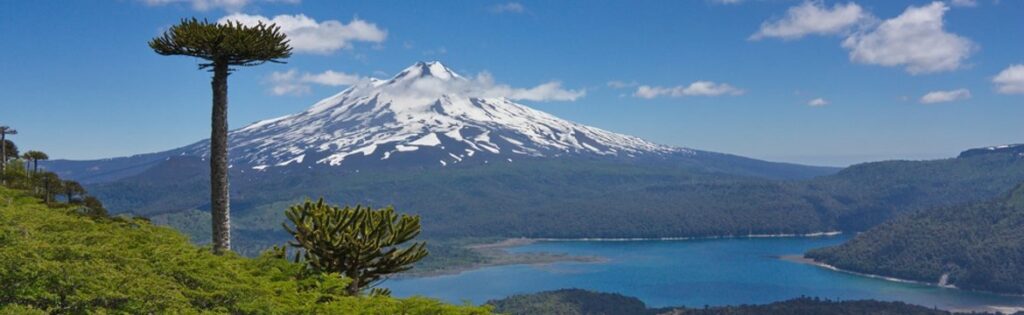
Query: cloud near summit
[
  {"x": 482, "y": 85},
  {"x": 307, "y": 35}
]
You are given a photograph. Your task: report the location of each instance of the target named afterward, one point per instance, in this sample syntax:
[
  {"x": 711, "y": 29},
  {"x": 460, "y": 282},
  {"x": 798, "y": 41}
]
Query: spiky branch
[{"x": 360, "y": 243}]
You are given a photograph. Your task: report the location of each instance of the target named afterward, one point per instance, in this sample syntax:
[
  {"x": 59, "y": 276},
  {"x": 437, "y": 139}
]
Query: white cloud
[
  {"x": 727, "y": 1},
  {"x": 818, "y": 102},
  {"x": 484, "y": 86},
  {"x": 306, "y": 35},
  {"x": 813, "y": 17},
  {"x": 292, "y": 82},
  {"x": 481, "y": 86},
  {"x": 915, "y": 40},
  {"x": 964, "y": 3},
  {"x": 511, "y": 7},
  {"x": 283, "y": 83},
  {"x": 1010, "y": 80},
  {"x": 616, "y": 84},
  {"x": 698, "y": 88},
  {"x": 331, "y": 78},
  {"x": 945, "y": 96},
  {"x": 206, "y": 5}
]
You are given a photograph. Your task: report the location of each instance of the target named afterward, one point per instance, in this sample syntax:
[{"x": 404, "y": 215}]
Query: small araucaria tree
[
  {"x": 223, "y": 46},
  {"x": 50, "y": 185},
  {"x": 72, "y": 189},
  {"x": 360, "y": 243}
]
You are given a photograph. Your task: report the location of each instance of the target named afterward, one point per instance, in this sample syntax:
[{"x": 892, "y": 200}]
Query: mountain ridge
[
  {"x": 425, "y": 116},
  {"x": 425, "y": 108}
]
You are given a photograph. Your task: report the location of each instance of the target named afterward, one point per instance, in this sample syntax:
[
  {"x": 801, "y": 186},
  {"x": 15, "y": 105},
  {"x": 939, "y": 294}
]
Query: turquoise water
[{"x": 690, "y": 273}]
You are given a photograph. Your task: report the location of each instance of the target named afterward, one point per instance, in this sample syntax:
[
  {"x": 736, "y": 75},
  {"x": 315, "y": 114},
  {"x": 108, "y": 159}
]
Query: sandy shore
[{"x": 497, "y": 254}]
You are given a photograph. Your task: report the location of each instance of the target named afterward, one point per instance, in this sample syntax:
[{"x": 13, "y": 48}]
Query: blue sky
[{"x": 738, "y": 76}]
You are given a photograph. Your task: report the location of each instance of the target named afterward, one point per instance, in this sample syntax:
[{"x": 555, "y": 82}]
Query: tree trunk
[
  {"x": 3, "y": 154},
  {"x": 219, "y": 199},
  {"x": 355, "y": 286}
]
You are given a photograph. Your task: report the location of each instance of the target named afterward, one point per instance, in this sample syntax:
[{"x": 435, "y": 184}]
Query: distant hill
[
  {"x": 978, "y": 246},
  {"x": 868, "y": 194},
  {"x": 578, "y": 197},
  {"x": 582, "y": 302}
]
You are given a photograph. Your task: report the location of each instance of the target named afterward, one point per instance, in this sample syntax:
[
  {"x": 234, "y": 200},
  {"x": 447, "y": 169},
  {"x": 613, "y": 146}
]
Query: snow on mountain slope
[{"x": 425, "y": 114}]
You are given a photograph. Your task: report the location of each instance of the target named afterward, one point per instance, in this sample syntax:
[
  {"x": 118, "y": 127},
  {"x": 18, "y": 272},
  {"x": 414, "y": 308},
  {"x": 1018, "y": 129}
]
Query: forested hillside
[
  {"x": 978, "y": 246},
  {"x": 580, "y": 198},
  {"x": 55, "y": 260}
]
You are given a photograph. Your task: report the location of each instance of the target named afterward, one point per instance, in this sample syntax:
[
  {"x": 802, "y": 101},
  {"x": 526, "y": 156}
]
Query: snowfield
[{"x": 429, "y": 110}]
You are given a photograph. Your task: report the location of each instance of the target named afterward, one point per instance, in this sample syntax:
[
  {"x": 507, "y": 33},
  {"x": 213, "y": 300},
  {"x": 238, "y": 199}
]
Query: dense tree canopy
[
  {"x": 976, "y": 246},
  {"x": 230, "y": 44},
  {"x": 582, "y": 302}
]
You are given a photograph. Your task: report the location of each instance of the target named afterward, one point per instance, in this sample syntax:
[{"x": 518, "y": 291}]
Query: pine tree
[
  {"x": 360, "y": 243},
  {"x": 223, "y": 46}
]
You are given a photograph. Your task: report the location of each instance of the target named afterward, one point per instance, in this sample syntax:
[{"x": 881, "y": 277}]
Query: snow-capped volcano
[{"x": 425, "y": 114}]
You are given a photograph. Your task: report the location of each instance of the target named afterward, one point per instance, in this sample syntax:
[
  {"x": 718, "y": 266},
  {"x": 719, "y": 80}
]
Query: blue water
[{"x": 691, "y": 273}]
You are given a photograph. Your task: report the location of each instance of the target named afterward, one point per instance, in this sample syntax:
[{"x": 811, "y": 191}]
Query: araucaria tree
[
  {"x": 4, "y": 131},
  {"x": 51, "y": 185},
  {"x": 360, "y": 243},
  {"x": 35, "y": 157},
  {"x": 224, "y": 46},
  {"x": 71, "y": 189}
]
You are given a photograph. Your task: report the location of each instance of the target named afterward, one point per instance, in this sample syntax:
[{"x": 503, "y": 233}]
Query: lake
[{"x": 688, "y": 273}]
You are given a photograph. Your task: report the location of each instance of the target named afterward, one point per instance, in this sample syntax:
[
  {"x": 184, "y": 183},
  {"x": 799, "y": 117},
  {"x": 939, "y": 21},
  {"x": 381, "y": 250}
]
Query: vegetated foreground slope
[
  {"x": 582, "y": 302},
  {"x": 978, "y": 246},
  {"x": 53, "y": 260}
]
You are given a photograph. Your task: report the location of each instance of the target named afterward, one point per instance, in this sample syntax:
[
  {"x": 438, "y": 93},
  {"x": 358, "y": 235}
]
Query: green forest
[
  {"x": 978, "y": 246},
  {"x": 568, "y": 199}
]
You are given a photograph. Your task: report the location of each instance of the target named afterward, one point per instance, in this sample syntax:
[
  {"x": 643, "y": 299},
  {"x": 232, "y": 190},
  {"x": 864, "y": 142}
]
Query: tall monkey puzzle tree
[{"x": 223, "y": 46}]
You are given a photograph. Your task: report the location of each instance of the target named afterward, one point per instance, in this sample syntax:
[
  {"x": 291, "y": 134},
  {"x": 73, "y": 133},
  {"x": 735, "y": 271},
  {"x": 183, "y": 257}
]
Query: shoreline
[
  {"x": 499, "y": 256},
  {"x": 682, "y": 238},
  {"x": 801, "y": 259},
  {"x": 496, "y": 254}
]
